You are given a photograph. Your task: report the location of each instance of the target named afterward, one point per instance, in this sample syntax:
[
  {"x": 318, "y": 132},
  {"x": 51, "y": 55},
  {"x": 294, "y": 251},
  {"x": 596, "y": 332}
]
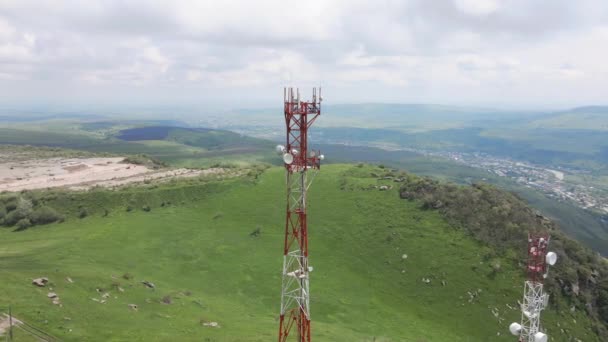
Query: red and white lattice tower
[
  {"x": 295, "y": 295},
  {"x": 535, "y": 300}
]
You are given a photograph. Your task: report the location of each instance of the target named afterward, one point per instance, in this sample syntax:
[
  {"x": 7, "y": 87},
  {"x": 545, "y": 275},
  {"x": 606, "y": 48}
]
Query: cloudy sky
[{"x": 514, "y": 53}]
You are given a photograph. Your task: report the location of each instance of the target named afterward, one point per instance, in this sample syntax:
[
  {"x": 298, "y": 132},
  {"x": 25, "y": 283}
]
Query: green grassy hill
[{"x": 195, "y": 246}]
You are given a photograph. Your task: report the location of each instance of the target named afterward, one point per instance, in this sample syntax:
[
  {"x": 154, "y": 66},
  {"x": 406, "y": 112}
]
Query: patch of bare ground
[
  {"x": 84, "y": 173},
  {"x": 5, "y": 323}
]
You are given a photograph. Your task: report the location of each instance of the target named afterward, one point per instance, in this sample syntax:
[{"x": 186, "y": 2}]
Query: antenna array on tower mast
[
  {"x": 298, "y": 161},
  {"x": 534, "y": 300}
]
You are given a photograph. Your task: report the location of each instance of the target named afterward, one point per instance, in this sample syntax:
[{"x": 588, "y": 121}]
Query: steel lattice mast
[
  {"x": 295, "y": 295},
  {"x": 534, "y": 300}
]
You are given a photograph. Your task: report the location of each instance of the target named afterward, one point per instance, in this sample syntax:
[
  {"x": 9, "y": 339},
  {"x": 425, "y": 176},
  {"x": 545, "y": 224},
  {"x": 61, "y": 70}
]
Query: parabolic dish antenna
[
  {"x": 280, "y": 149},
  {"x": 321, "y": 157},
  {"x": 551, "y": 258},
  {"x": 288, "y": 158},
  {"x": 313, "y": 154},
  {"x": 515, "y": 329},
  {"x": 540, "y": 337}
]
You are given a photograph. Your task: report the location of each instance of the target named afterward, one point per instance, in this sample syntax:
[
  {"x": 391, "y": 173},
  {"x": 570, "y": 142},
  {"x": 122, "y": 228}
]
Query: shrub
[
  {"x": 146, "y": 208},
  {"x": 11, "y": 205},
  {"x": 14, "y": 216},
  {"x": 23, "y": 224},
  {"x": 2, "y": 212},
  {"x": 83, "y": 213},
  {"x": 45, "y": 215}
]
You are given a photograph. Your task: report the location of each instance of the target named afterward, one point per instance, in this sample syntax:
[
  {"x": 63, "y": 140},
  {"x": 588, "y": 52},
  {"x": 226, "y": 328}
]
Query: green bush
[
  {"x": 11, "y": 205},
  {"x": 23, "y": 224},
  {"x": 2, "y": 212},
  {"x": 45, "y": 215},
  {"x": 83, "y": 213},
  {"x": 14, "y": 216}
]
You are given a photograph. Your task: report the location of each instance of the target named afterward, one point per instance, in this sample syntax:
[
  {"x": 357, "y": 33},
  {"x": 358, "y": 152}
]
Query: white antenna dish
[
  {"x": 294, "y": 152},
  {"x": 515, "y": 329},
  {"x": 280, "y": 149},
  {"x": 321, "y": 157},
  {"x": 551, "y": 258},
  {"x": 288, "y": 158},
  {"x": 529, "y": 314},
  {"x": 313, "y": 154},
  {"x": 540, "y": 337}
]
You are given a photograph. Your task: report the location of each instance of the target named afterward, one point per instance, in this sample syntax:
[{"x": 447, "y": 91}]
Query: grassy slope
[
  {"x": 360, "y": 289},
  {"x": 583, "y": 225}
]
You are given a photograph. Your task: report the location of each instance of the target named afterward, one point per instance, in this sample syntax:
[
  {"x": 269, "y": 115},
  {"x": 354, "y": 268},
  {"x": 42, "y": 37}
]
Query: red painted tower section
[
  {"x": 534, "y": 300},
  {"x": 537, "y": 263},
  {"x": 298, "y": 160}
]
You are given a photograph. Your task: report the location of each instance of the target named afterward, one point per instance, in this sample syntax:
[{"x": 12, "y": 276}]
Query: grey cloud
[{"x": 395, "y": 45}]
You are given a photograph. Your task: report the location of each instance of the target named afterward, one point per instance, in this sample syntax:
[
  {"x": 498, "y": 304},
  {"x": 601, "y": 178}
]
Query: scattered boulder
[
  {"x": 40, "y": 282},
  {"x": 148, "y": 284},
  {"x": 133, "y": 307},
  {"x": 69, "y": 280},
  {"x": 166, "y": 300},
  {"x": 256, "y": 232},
  {"x": 52, "y": 295},
  {"x": 404, "y": 256},
  {"x": 211, "y": 324}
]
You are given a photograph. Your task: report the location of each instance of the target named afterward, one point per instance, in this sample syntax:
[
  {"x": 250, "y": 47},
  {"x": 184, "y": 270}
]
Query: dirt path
[{"x": 82, "y": 173}]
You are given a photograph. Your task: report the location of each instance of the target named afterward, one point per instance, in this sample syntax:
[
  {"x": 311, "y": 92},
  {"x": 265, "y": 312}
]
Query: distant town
[{"x": 552, "y": 183}]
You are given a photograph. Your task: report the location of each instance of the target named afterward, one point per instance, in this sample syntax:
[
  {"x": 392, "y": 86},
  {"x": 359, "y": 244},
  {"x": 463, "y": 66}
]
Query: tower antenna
[
  {"x": 298, "y": 161},
  {"x": 535, "y": 300}
]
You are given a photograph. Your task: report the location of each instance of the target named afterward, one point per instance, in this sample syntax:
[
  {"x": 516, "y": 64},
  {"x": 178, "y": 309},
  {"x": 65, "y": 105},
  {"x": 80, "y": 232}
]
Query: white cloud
[
  {"x": 478, "y": 7},
  {"x": 386, "y": 50}
]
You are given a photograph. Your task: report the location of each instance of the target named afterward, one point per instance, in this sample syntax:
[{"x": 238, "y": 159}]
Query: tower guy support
[
  {"x": 534, "y": 300},
  {"x": 298, "y": 160}
]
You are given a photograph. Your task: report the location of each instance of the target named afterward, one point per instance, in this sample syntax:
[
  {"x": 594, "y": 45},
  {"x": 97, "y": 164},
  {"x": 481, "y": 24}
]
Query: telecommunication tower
[
  {"x": 295, "y": 295},
  {"x": 535, "y": 300}
]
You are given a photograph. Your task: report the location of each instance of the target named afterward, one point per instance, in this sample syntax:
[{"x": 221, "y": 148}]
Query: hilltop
[{"x": 386, "y": 268}]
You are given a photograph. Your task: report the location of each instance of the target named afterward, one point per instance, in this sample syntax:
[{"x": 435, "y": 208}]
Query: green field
[{"x": 197, "y": 249}]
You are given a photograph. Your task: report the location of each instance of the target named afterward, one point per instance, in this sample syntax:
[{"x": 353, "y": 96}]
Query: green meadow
[{"x": 195, "y": 245}]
